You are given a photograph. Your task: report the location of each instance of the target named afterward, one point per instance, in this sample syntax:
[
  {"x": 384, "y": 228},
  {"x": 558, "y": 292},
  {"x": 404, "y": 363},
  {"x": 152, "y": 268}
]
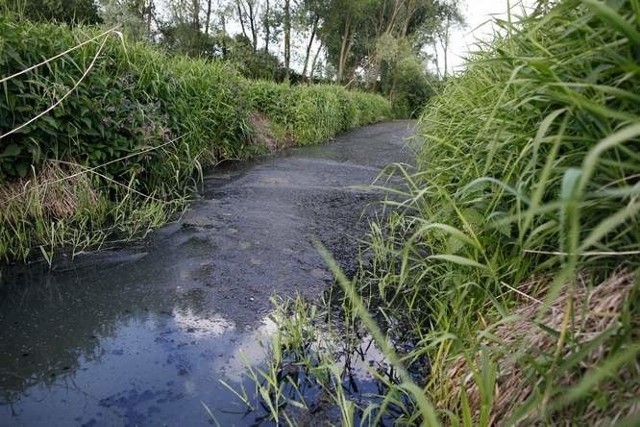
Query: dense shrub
[
  {"x": 527, "y": 124},
  {"x": 313, "y": 113},
  {"x": 132, "y": 100},
  {"x": 412, "y": 88}
]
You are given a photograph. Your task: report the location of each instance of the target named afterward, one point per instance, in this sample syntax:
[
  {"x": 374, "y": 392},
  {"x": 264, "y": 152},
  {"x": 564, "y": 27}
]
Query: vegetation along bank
[
  {"x": 503, "y": 289},
  {"x": 127, "y": 130}
]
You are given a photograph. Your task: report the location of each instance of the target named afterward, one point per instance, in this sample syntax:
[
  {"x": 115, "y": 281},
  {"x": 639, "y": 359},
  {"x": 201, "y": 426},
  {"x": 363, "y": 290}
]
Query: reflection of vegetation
[
  {"x": 330, "y": 373},
  {"x": 512, "y": 261},
  {"x": 49, "y": 329},
  {"x": 46, "y": 354}
]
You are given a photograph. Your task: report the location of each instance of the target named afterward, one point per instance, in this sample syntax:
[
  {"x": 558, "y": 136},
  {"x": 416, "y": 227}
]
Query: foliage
[
  {"x": 353, "y": 30},
  {"x": 141, "y": 123},
  {"x": 253, "y": 64},
  {"x": 63, "y": 11},
  {"x": 402, "y": 76},
  {"x": 511, "y": 263},
  {"x": 117, "y": 110},
  {"x": 310, "y": 114},
  {"x": 436, "y": 32},
  {"x": 133, "y": 17},
  {"x": 182, "y": 38},
  {"x": 412, "y": 88}
]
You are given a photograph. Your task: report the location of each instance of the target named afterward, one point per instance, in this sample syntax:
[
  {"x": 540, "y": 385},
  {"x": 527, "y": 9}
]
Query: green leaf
[
  {"x": 51, "y": 121},
  {"x": 570, "y": 184},
  {"x": 456, "y": 259},
  {"x": 611, "y": 17},
  {"x": 12, "y": 150},
  {"x": 595, "y": 375},
  {"x": 22, "y": 169},
  {"x": 609, "y": 224}
]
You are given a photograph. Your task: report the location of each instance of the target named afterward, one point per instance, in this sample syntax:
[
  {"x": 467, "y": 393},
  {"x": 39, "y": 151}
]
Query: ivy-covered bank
[{"x": 105, "y": 139}]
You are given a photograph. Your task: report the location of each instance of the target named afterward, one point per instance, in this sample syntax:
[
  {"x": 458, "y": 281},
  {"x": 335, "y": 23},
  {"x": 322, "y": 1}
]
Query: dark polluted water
[{"x": 147, "y": 334}]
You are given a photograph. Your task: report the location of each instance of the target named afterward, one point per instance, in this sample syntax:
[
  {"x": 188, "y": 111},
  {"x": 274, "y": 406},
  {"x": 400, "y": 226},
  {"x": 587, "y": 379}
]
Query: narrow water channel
[{"x": 143, "y": 335}]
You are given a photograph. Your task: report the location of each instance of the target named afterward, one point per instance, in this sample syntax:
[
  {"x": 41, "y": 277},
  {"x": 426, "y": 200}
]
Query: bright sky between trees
[{"x": 478, "y": 15}]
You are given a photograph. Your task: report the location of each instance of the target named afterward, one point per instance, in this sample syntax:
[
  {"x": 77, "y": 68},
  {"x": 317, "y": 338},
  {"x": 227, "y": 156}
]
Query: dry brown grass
[
  {"x": 265, "y": 136},
  {"x": 57, "y": 191},
  {"x": 595, "y": 309}
]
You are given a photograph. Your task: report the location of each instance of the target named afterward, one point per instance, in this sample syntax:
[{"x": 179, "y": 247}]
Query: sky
[{"x": 478, "y": 15}]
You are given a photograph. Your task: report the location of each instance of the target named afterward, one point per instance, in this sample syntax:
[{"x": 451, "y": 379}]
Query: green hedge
[
  {"x": 132, "y": 100},
  {"x": 314, "y": 113}
]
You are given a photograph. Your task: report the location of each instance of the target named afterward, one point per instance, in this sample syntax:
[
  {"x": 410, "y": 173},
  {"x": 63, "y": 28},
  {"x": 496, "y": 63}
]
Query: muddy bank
[{"x": 143, "y": 335}]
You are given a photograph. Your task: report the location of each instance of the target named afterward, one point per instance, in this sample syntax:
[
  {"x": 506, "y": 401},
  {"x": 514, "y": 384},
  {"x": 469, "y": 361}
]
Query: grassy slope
[
  {"x": 512, "y": 266},
  {"x": 531, "y": 211},
  {"x": 125, "y": 148}
]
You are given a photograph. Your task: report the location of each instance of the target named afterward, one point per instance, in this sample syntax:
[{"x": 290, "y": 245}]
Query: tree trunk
[
  {"x": 241, "y": 19},
  {"x": 394, "y": 16},
  {"x": 148, "y": 10},
  {"x": 208, "y": 18},
  {"x": 267, "y": 26},
  {"x": 446, "y": 45},
  {"x": 287, "y": 39},
  {"x": 252, "y": 24},
  {"x": 344, "y": 49},
  {"x": 313, "y": 63},
  {"x": 436, "y": 58},
  {"x": 195, "y": 14},
  {"x": 311, "y": 38}
]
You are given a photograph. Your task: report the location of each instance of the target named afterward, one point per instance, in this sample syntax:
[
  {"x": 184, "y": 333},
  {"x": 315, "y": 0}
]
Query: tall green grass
[
  {"x": 141, "y": 125},
  {"x": 511, "y": 260},
  {"x": 314, "y": 113}
]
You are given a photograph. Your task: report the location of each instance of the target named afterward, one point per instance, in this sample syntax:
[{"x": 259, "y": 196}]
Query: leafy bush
[
  {"x": 370, "y": 108},
  {"x": 526, "y": 199},
  {"x": 530, "y": 131},
  {"x": 133, "y": 99},
  {"x": 412, "y": 88},
  {"x": 313, "y": 113}
]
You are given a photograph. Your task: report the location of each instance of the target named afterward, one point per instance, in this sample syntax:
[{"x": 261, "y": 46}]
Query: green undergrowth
[
  {"x": 511, "y": 260},
  {"x": 132, "y": 128}
]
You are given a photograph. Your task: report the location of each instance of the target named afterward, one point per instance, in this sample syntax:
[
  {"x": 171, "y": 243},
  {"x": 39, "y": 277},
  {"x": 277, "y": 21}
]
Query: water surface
[{"x": 143, "y": 335}]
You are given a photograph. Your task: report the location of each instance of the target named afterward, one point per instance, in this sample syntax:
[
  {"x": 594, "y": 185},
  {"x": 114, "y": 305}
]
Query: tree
[
  {"x": 287, "y": 38},
  {"x": 182, "y": 38},
  {"x": 267, "y": 23},
  {"x": 182, "y": 32},
  {"x": 247, "y": 15},
  {"x": 342, "y": 26},
  {"x": 134, "y": 16},
  {"x": 437, "y": 31},
  {"x": 208, "y": 17},
  {"x": 350, "y": 29},
  {"x": 310, "y": 13}
]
